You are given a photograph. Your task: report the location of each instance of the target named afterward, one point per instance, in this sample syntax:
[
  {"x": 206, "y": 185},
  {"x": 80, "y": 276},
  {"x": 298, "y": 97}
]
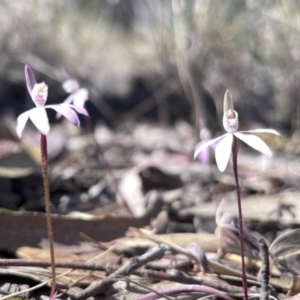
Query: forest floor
[{"x": 139, "y": 193}]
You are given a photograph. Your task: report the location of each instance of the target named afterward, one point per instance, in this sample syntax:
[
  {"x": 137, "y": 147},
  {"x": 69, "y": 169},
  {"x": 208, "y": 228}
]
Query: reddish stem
[
  {"x": 44, "y": 157},
  {"x": 241, "y": 227}
]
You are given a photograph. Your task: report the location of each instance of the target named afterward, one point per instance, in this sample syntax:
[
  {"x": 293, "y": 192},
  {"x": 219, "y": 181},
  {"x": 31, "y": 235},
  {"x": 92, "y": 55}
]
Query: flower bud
[
  {"x": 205, "y": 134},
  {"x": 71, "y": 86}
]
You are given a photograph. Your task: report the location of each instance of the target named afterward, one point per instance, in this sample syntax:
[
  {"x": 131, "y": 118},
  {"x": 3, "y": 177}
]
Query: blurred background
[{"x": 158, "y": 60}]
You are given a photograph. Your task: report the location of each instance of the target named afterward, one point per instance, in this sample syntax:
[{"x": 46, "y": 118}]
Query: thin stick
[
  {"x": 265, "y": 269},
  {"x": 136, "y": 262},
  {"x": 241, "y": 227},
  {"x": 44, "y": 156},
  {"x": 188, "y": 288}
]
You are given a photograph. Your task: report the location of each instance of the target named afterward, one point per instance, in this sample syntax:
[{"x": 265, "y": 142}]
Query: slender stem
[
  {"x": 44, "y": 156},
  {"x": 108, "y": 168},
  {"x": 241, "y": 227}
]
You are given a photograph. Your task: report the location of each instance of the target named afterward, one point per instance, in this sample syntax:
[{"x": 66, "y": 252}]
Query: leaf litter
[{"x": 168, "y": 246}]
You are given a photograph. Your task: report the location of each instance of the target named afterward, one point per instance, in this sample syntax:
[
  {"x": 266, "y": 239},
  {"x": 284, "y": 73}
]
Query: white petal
[
  {"x": 81, "y": 97},
  {"x": 67, "y": 111},
  {"x": 271, "y": 131},
  {"x": 255, "y": 142},
  {"x": 69, "y": 99},
  {"x": 223, "y": 152},
  {"x": 39, "y": 118},
  {"x": 199, "y": 147},
  {"x": 80, "y": 110},
  {"x": 21, "y": 122}
]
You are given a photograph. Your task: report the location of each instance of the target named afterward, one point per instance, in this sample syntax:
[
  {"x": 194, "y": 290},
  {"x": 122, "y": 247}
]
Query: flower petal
[
  {"x": 21, "y": 122},
  {"x": 81, "y": 97},
  {"x": 223, "y": 152},
  {"x": 69, "y": 99},
  {"x": 201, "y": 146},
  {"x": 204, "y": 155},
  {"x": 255, "y": 142},
  {"x": 30, "y": 79},
  {"x": 80, "y": 110},
  {"x": 271, "y": 131},
  {"x": 67, "y": 111},
  {"x": 39, "y": 118}
]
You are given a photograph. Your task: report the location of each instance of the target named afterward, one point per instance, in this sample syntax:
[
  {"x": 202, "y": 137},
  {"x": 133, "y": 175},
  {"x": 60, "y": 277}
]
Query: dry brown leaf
[
  {"x": 258, "y": 207},
  {"x": 36, "y": 253},
  {"x": 27, "y": 228},
  {"x": 285, "y": 250}
]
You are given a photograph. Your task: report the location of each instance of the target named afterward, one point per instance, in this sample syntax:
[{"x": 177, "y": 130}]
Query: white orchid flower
[
  {"x": 38, "y": 115},
  {"x": 223, "y": 150}
]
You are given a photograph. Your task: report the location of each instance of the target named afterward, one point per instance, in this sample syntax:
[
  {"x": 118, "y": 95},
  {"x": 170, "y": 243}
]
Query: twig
[
  {"x": 181, "y": 277},
  {"x": 212, "y": 265},
  {"x": 157, "y": 239},
  {"x": 136, "y": 262},
  {"x": 47, "y": 263},
  {"x": 185, "y": 289},
  {"x": 265, "y": 269},
  {"x": 175, "y": 275},
  {"x": 147, "y": 287}
]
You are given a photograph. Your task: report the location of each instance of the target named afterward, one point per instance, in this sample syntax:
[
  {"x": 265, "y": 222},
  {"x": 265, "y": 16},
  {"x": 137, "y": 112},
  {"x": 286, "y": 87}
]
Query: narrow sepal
[
  {"x": 270, "y": 131},
  {"x": 30, "y": 79},
  {"x": 201, "y": 146},
  {"x": 227, "y": 103},
  {"x": 255, "y": 142},
  {"x": 21, "y": 122},
  {"x": 67, "y": 111}
]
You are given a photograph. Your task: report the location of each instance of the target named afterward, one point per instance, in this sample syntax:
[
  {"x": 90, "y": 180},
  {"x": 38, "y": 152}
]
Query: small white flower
[
  {"x": 38, "y": 115},
  {"x": 225, "y": 142},
  {"x": 78, "y": 96}
]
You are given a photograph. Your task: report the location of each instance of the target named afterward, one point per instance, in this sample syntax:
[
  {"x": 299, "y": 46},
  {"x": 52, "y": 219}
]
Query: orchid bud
[
  {"x": 205, "y": 134},
  {"x": 71, "y": 86},
  {"x": 39, "y": 94}
]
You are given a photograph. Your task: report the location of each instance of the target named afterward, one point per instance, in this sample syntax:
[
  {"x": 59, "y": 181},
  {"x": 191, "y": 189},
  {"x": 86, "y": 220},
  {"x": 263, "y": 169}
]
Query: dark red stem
[
  {"x": 241, "y": 227},
  {"x": 44, "y": 157}
]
